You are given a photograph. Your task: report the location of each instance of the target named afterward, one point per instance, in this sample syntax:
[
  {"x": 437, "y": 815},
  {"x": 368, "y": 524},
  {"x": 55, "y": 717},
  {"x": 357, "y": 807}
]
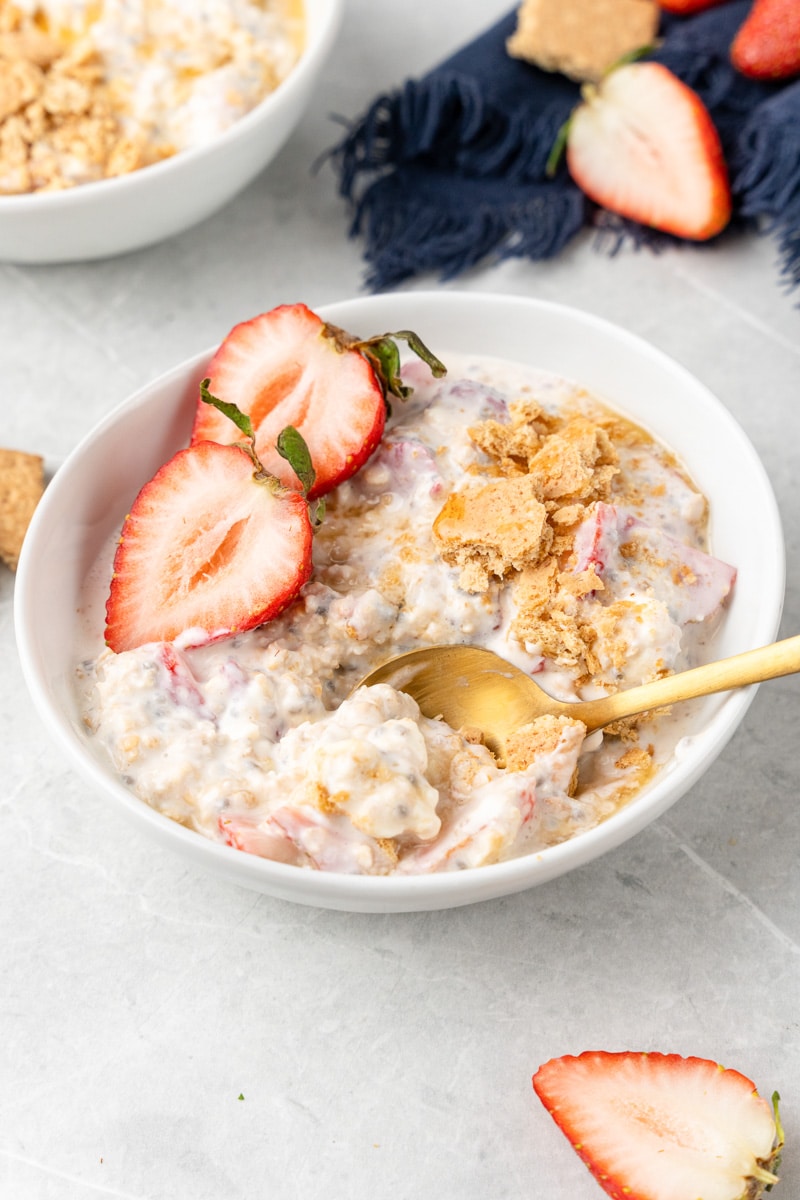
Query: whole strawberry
[
  {"x": 642, "y": 144},
  {"x": 662, "y": 1127},
  {"x": 767, "y": 45}
]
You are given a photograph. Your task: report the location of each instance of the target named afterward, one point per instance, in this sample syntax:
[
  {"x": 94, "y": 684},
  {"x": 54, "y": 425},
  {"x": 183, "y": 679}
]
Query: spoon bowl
[{"x": 471, "y": 688}]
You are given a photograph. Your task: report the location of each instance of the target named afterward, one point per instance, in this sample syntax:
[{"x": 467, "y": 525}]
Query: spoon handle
[{"x": 754, "y": 666}]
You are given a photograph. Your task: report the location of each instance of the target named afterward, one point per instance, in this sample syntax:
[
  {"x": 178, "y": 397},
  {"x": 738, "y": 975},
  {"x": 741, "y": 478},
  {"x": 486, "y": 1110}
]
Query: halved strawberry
[
  {"x": 643, "y": 145},
  {"x": 767, "y": 45},
  {"x": 212, "y": 546},
  {"x": 288, "y": 367},
  {"x": 659, "y": 1127}
]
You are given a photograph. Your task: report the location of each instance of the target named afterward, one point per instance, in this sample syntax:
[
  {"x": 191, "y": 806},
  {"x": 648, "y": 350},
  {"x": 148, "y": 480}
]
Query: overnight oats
[
  {"x": 91, "y": 89},
  {"x": 499, "y": 506}
]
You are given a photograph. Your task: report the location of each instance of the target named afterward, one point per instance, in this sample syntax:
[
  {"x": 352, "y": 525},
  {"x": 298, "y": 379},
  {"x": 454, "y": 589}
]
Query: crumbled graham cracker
[
  {"x": 513, "y": 444},
  {"x": 55, "y": 110},
  {"x": 575, "y": 463},
  {"x": 637, "y": 758},
  {"x": 510, "y": 448},
  {"x": 21, "y": 487},
  {"x": 582, "y": 38},
  {"x": 492, "y": 530},
  {"x": 389, "y": 848},
  {"x": 30, "y": 45},
  {"x": 539, "y": 737}
]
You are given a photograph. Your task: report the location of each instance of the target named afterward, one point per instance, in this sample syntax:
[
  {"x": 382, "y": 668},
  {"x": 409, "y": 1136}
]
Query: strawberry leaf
[
  {"x": 416, "y": 344},
  {"x": 385, "y": 358},
  {"x": 291, "y": 445},
  {"x": 383, "y": 353},
  {"x": 240, "y": 419}
]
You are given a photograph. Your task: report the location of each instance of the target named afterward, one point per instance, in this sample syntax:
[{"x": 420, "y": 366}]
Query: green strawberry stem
[
  {"x": 775, "y": 1159},
  {"x": 632, "y": 56},
  {"x": 240, "y": 419},
  {"x": 559, "y": 147},
  {"x": 384, "y": 356},
  {"x": 588, "y": 93},
  {"x": 291, "y": 445}
]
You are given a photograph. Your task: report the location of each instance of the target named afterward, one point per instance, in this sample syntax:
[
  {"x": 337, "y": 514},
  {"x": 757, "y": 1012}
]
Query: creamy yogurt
[{"x": 262, "y": 742}]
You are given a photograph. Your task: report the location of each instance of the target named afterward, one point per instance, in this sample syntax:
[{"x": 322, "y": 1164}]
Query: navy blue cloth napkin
[{"x": 449, "y": 169}]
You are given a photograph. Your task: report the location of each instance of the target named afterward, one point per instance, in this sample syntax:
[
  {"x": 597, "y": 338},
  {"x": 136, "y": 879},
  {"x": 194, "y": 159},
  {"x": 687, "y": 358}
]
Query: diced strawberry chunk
[
  {"x": 304, "y": 836},
  {"x": 628, "y": 554}
]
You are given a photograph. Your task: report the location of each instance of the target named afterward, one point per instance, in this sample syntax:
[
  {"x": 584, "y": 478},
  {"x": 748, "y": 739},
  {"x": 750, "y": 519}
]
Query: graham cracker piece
[
  {"x": 21, "y": 486},
  {"x": 541, "y": 736},
  {"x": 492, "y": 530},
  {"x": 582, "y": 38},
  {"x": 575, "y": 464},
  {"x": 548, "y": 617}
]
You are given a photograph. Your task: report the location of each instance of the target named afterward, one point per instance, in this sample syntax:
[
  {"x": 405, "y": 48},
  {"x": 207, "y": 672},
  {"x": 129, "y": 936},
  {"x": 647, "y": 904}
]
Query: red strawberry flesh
[
  {"x": 287, "y": 367},
  {"x": 662, "y": 1127},
  {"x": 643, "y": 145},
  {"x": 207, "y": 548},
  {"x": 688, "y": 6},
  {"x": 767, "y": 45}
]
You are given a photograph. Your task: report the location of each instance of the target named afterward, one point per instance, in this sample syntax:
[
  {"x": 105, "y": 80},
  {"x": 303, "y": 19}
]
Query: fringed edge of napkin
[
  {"x": 412, "y": 222},
  {"x": 766, "y": 175},
  {"x": 405, "y": 234}
]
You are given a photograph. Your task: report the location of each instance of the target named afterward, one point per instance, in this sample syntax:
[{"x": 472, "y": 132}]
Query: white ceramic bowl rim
[
  {"x": 315, "y": 48},
  {"x": 407, "y": 893}
]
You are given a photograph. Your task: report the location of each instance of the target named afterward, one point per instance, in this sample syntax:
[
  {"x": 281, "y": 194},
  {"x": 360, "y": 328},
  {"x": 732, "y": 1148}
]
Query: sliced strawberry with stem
[
  {"x": 288, "y": 367},
  {"x": 642, "y": 144},
  {"x": 290, "y": 445},
  {"x": 767, "y": 45},
  {"x": 213, "y": 545},
  {"x": 659, "y": 1126}
]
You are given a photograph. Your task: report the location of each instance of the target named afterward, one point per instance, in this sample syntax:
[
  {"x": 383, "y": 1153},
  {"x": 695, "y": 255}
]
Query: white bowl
[
  {"x": 97, "y": 220},
  {"x": 90, "y": 494}
]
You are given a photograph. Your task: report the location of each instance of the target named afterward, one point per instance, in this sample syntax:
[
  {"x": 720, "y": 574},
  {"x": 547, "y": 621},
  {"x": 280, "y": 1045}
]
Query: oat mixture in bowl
[
  {"x": 94, "y": 90},
  {"x": 503, "y": 507},
  {"x": 249, "y": 754}
]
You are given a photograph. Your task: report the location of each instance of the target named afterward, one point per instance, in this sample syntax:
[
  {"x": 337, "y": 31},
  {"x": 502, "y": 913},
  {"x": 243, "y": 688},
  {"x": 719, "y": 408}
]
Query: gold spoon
[{"x": 470, "y": 687}]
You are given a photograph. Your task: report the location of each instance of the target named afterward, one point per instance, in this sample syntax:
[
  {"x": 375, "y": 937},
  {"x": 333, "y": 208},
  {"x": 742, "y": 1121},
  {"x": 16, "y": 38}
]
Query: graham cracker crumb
[
  {"x": 511, "y": 446},
  {"x": 492, "y": 530},
  {"x": 539, "y": 737},
  {"x": 582, "y": 38},
  {"x": 319, "y": 796},
  {"x": 21, "y": 487},
  {"x": 55, "y": 110},
  {"x": 636, "y": 757},
  {"x": 575, "y": 463},
  {"x": 389, "y": 848}
]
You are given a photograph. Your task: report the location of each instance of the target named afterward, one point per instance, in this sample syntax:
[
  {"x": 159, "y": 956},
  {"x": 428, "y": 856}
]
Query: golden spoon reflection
[{"x": 470, "y": 687}]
